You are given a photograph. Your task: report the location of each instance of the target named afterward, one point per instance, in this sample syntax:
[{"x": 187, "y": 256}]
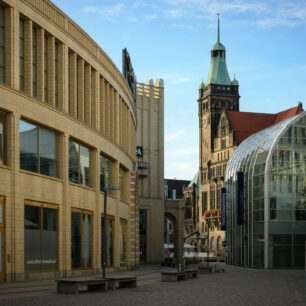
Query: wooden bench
[
  {"x": 118, "y": 282},
  {"x": 192, "y": 273},
  {"x": 173, "y": 276},
  {"x": 85, "y": 284}
]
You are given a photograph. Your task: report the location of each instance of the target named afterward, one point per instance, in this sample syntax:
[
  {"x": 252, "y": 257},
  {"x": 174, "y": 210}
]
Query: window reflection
[
  {"x": 40, "y": 238},
  {"x": 79, "y": 164},
  {"x": 81, "y": 251},
  {"x": 38, "y": 149},
  {"x": 105, "y": 172}
]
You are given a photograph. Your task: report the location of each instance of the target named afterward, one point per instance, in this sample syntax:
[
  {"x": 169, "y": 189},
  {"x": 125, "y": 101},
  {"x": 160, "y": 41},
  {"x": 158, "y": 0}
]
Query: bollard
[{"x": 179, "y": 268}]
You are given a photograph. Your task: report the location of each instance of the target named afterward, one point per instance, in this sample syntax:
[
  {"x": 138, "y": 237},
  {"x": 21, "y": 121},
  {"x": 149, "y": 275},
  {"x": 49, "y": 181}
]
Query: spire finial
[{"x": 218, "y": 27}]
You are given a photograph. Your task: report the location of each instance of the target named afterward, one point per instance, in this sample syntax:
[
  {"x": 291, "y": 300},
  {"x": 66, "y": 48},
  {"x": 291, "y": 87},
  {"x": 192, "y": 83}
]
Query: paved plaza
[{"x": 236, "y": 286}]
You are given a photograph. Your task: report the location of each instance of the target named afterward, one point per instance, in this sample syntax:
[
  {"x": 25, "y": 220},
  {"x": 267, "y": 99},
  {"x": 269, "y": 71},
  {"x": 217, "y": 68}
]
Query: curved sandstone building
[{"x": 67, "y": 130}]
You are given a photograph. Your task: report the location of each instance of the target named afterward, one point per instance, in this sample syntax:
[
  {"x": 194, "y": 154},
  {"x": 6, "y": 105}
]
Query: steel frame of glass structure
[{"x": 272, "y": 232}]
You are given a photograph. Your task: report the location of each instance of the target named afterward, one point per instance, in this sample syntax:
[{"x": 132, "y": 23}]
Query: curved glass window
[{"x": 273, "y": 193}]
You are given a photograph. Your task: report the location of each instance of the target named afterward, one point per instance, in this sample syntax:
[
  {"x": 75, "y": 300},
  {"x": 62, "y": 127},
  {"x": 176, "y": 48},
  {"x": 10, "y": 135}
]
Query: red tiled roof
[
  {"x": 245, "y": 124},
  {"x": 287, "y": 114}
]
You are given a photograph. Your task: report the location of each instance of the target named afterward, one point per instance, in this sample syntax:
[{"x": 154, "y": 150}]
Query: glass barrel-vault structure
[{"x": 265, "y": 184}]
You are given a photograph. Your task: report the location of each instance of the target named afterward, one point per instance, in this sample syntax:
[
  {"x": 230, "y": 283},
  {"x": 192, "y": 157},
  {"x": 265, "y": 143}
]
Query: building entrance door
[{"x": 2, "y": 240}]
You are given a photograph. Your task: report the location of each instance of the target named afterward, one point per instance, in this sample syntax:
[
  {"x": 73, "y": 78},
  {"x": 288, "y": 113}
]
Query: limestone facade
[
  {"x": 150, "y": 188},
  {"x": 55, "y": 79}
]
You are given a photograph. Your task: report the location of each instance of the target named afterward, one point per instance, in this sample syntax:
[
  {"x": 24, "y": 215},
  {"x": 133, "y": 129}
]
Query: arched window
[
  {"x": 212, "y": 244},
  {"x": 219, "y": 243}
]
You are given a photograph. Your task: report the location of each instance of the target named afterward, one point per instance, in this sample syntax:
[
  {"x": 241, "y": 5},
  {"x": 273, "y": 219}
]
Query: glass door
[{"x": 2, "y": 256}]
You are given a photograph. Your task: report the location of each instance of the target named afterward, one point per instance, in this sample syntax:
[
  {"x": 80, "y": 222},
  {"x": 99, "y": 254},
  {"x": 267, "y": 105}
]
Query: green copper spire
[
  {"x": 202, "y": 85},
  {"x": 218, "y": 73},
  {"x": 218, "y": 29}
]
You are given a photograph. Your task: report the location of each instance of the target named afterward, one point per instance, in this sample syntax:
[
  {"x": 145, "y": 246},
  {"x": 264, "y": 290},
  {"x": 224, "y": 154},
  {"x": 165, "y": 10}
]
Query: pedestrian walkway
[{"x": 236, "y": 286}]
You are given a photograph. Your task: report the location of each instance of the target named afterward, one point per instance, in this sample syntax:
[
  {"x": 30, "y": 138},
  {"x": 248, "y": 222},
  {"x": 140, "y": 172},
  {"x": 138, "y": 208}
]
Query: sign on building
[
  {"x": 223, "y": 209},
  {"x": 240, "y": 198},
  {"x": 139, "y": 151},
  {"x": 142, "y": 165}
]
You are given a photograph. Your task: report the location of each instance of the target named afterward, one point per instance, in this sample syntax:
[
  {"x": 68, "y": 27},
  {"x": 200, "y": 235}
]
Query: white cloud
[
  {"x": 174, "y": 13},
  {"x": 182, "y": 80},
  {"x": 151, "y": 17},
  {"x": 106, "y": 12},
  {"x": 265, "y": 13},
  {"x": 182, "y": 152},
  {"x": 184, "y": 170},
  {"x": 173, "y": 136},
  {"x": 115, "y": 10},
  {"x": 90, "y": 9}
]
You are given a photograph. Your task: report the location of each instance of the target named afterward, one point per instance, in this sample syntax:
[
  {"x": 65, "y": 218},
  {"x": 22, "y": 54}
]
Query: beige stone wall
[
  {"x": 90, "y": 94},
  {"x": 150, "y": 135},
  {"x": 216, "y": 141}
]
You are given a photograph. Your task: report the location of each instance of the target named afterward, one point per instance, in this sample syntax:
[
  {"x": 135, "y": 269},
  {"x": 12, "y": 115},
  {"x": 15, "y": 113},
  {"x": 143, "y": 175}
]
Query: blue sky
[{"x": 171, "y": 39}]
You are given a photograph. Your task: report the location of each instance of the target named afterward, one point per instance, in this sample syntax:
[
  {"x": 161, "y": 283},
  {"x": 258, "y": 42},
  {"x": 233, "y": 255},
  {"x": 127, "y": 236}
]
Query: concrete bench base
[
  {"x": 173, "y": 276},
  {"x": 205, "y": 270},
  {"x": 76, "y": 285},
  {"x": 192, "y": 273},
  {"x": 118, "y": 282}
]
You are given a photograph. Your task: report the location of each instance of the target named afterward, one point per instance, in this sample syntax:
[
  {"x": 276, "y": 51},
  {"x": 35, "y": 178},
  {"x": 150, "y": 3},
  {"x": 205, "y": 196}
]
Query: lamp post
[{"x": 105, "y": 189}]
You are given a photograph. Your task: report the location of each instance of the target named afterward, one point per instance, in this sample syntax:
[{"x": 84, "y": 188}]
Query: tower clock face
[{"x": 205, "y": 121}]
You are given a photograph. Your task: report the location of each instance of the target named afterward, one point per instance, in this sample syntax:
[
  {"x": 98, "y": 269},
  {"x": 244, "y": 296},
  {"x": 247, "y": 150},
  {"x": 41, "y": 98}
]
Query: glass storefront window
[
  {"x": 38, "y": 149},
  {"x": 109, "y": 234},
  {"x": 40, "y": 238},
  {"x": 105, "y": 172},
  {"x": 81, "y": 250},
  {"x": 2, "y": 139},
  {"x": 79, "y": 164}
]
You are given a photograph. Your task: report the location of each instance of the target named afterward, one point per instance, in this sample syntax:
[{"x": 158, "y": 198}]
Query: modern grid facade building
[
  {"x": 67, "y": 131},
  {"x": 265, "y": 184}
]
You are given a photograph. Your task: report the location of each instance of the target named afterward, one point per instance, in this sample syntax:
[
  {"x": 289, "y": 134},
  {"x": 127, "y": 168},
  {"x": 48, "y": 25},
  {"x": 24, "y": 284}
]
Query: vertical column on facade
[
  {"x": 116, "y": 194},
  {"x": 95, "y": 105},
  {"x": 62, "y": 77},
  {"x": 72, "y": 85},
  {"x": 126, "y": 138},
  {"x": 106, "y": 109},
  {"x": 80, "y": 89},
  {"x": 64, "y": 211},
  {"x": 17, "y": 206},
  {"x": 129, "y": 131},
  {"x": 28, "y": 31},
  {"x": 40, "y": 64},
  {"x": 102, "y": 105},
  {"x": 87, "y": 101},
  {"x": 160, "y": 84},
  {"x": 111, "y": 112},
  {"x": 116, "y": 121},
  {"x": 131, "y": 221},
  {"x": 15, "y": 50},
  {"x": 96, "y": 252},
  {"x": 120, "y": 121},
  {"x": 51, "y": 70},
  {"x": 9, "y": 46}
]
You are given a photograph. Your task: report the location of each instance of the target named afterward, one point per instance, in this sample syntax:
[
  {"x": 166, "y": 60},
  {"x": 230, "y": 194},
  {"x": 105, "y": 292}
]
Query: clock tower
[{"x": 217, "y": 96}]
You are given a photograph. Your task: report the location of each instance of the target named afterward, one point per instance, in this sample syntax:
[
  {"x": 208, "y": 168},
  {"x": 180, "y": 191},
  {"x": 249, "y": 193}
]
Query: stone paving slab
[{"x": 237, "y": 286}]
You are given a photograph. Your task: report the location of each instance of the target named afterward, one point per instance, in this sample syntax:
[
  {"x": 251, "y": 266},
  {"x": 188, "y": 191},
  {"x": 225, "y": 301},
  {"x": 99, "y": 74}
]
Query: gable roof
[{"x": 245, "y": 124}]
